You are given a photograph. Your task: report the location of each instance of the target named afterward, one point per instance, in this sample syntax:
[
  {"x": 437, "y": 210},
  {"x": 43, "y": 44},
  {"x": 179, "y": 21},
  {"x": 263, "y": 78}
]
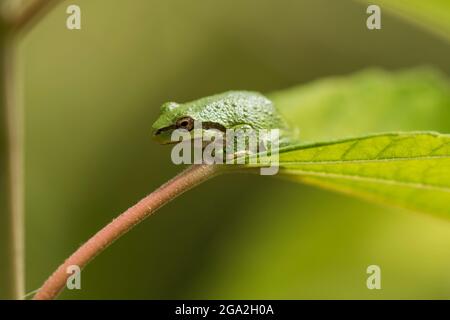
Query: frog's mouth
[
  {"x": 163, "y": 135},
  {"x": 166, "y": 139},
  {"x": 205, "y": 125},
  {"x": 161, "y": 130}
]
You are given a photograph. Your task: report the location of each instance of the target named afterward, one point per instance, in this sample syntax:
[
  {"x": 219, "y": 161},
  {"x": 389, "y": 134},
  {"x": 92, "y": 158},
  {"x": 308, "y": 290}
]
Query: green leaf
[
  {"x": 366, "y": 102},
  {"x": 433, "y": 15},
  {"x": 403, "y": 169},
  {"x": 309, "y": 236},
  {"x": 410, "y": 170}
]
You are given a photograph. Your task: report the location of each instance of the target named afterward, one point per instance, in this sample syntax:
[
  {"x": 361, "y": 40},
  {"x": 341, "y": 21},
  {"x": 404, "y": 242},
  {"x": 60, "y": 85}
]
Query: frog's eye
[{"x": 186, "y": 123}]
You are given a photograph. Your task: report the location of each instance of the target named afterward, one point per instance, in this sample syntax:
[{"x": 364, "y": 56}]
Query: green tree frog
[{"x": 238, "y": 110}]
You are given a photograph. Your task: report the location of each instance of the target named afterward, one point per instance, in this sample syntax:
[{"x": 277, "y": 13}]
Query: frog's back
[{"x": 234, "y": 108}]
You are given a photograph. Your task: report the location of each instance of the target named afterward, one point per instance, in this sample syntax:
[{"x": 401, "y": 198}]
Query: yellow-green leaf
[{"x": 410, "y": 170}]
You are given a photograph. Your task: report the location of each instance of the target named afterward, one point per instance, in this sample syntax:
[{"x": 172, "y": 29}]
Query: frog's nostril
[{"x": 156, "y": 132}]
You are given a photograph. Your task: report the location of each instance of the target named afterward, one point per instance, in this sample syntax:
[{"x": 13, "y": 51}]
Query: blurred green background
[{"x": 91, "y": 96}]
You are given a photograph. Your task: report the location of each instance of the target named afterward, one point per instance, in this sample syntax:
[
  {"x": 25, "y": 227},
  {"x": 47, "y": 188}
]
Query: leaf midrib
[
  {"x": 366, "y": 179},
  {"x": 364, "y": 160},
  {"x": 398, "y": 134}
]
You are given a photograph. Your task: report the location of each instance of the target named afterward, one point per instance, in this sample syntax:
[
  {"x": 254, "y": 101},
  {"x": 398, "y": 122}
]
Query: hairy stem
[
  {"x": 186, "y": 180},
  {"x": 11, "y": 178},
  {"x": 13, "y": 20},
  {"x": 30, "y": 13}
]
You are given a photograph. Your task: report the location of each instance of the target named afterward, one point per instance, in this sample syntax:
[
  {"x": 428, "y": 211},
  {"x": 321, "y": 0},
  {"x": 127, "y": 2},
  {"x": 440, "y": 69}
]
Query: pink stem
[{"x": 186, "y": 180}]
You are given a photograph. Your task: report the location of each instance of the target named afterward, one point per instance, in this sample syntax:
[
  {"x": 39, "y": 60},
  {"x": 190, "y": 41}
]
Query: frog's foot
[{"x": 240, "y": 156}]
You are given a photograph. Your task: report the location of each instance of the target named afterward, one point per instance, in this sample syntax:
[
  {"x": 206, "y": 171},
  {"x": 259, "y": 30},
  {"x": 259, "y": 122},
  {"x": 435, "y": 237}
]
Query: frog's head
[
  {"x": 187, "y": 116},
  {"x": 173, "y": 116}
]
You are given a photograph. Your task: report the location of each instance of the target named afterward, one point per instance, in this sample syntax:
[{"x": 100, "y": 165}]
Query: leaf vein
[
  {"x": 370, "y": 179},
  {"x": 364, "y": 160}
]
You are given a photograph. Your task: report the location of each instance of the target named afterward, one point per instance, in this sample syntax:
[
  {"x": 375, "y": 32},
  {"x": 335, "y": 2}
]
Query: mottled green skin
[{"x": 232, "y": 109}]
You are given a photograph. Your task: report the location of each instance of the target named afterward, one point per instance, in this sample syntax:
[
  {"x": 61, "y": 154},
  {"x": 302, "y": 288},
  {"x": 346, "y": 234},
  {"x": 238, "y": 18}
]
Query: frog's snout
[
  {"x": 156, "y": 132},
  {"x": 161, "y": 136}
]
